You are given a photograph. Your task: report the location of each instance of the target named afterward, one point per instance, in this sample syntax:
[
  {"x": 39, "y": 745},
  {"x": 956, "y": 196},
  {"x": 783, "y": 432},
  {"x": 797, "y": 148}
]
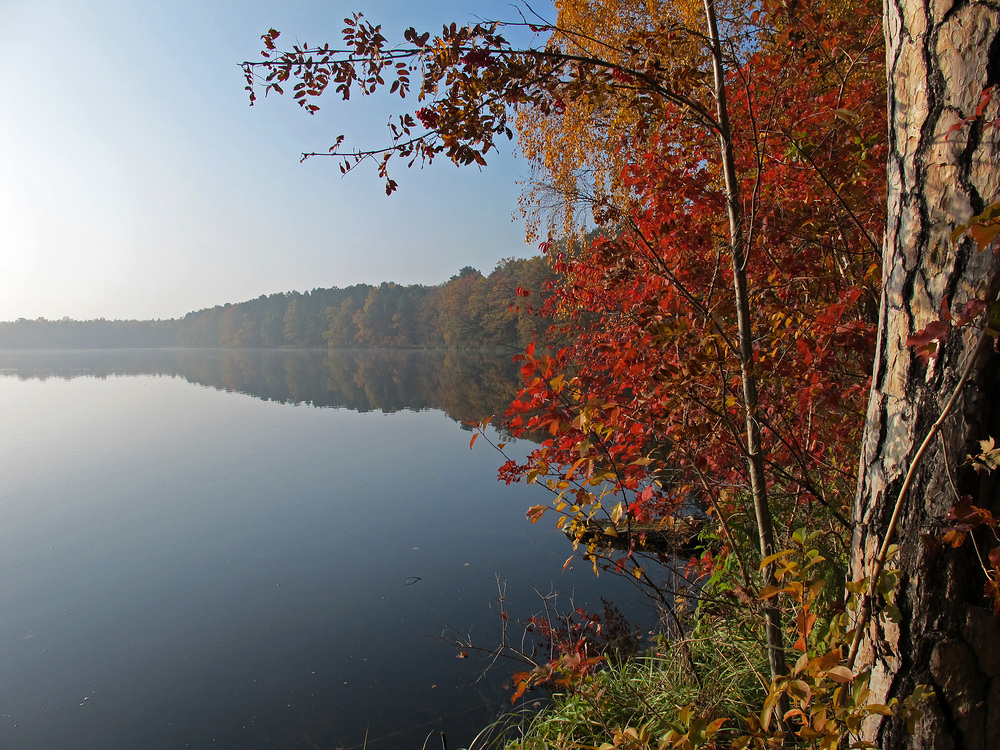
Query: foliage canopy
[{"x": 711, "y": 344}]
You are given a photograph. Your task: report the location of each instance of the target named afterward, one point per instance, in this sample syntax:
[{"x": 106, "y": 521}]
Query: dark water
[{"x": 265, "y": 561}]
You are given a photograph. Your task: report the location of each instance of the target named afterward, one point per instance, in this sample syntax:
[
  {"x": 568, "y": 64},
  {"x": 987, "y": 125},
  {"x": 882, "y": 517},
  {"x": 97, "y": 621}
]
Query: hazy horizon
[
  {"x": 223, "y": 303},
  {"x": 137, "y": 183}
]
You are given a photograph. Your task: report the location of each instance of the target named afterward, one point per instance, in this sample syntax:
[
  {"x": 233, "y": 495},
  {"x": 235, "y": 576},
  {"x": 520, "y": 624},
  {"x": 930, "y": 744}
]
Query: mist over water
[{"x": 259, "y": 549}]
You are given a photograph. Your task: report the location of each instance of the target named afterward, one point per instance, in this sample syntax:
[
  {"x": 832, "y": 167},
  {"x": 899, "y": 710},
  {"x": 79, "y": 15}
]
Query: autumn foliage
[
  {"x": 641, "y": 382},
  {"x": 712, "y": 336}
]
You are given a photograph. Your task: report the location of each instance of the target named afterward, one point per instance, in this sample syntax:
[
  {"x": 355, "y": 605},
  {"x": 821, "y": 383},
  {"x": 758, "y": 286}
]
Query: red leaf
[
  {"x": 945, "y": 309},
  {"x": 971, "y": 311},
  {"x": 995, "y": 557},
  {"x": 926, "y": 340}
]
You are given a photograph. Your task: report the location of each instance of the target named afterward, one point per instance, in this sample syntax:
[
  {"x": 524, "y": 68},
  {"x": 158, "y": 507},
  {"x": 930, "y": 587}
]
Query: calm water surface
[{"x": 215, "y": 549}]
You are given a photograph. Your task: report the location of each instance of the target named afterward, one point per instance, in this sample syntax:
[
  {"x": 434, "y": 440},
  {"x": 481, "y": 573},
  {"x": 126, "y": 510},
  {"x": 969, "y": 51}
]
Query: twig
[{"x": 836, "y": 193}]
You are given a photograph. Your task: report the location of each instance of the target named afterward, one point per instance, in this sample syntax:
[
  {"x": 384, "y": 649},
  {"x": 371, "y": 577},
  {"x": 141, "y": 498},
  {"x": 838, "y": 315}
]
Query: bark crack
[
  {"x": 993, "y": 58},
  {"x": 947, "y": 716},
  {"x": 936, "y": 53},
  {"x": 955, "y": 8}
]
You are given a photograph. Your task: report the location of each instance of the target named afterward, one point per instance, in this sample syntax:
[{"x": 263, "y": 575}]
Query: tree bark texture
[{"x": 941, "y": 56}]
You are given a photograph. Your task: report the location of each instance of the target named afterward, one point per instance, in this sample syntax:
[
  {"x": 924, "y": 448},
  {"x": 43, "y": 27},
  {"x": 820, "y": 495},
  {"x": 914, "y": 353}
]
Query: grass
[{"x": 647, "y": 691}]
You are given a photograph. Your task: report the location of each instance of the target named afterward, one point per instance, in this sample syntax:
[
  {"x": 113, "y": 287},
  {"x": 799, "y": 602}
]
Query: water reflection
[
  {"x": 180, "y": 567},
  {"x": 467, "y": 386}
]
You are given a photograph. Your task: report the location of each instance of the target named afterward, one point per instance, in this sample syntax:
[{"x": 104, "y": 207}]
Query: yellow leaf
[
  {"x": 880, "y": 709},
  {"x": 771, "y": 558}
]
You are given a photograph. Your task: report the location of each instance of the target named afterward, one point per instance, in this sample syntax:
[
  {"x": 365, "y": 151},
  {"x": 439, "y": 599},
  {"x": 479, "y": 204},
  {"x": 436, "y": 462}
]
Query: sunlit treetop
[
  {"x": 579, "y": 147},
  {"x": 606, "y": 79}
]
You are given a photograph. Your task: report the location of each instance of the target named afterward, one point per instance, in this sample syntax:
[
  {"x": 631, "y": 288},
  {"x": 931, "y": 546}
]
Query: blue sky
[{"x": 137, "y": 182}]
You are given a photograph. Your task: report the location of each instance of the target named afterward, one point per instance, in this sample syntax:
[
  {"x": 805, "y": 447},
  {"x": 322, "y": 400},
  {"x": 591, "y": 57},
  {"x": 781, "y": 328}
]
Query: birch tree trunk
[
  {"x": 941, "y": 56},
  {"x": 755, "y": 454}
]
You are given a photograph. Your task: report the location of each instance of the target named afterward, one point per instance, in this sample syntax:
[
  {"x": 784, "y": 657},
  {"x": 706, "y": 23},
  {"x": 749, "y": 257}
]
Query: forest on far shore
[{"x": 468, "y": 311}]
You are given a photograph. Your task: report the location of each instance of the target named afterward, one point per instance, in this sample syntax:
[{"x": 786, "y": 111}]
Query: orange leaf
[
  {"x": 841, "y": 674},
  {"x": 535, "y": 512}
]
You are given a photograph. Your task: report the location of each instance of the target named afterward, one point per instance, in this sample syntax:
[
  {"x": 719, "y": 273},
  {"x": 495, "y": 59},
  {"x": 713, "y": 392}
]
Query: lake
[{"x": 261, "y": 549}]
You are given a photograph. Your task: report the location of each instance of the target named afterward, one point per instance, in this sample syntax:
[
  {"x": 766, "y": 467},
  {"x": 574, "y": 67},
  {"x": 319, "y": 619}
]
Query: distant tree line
[{"x": 468, "y": 311}]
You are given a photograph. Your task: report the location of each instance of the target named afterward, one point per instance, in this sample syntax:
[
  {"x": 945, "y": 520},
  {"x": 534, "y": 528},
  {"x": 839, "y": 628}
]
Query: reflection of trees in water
[{"x": 466, "y": 385}]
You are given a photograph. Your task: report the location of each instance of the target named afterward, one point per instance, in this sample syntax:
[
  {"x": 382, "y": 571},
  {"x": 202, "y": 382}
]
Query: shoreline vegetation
[
  {"x": 469, "y": 311},
  {"x": 742, "y": 326},
  {"x": 738, "y": 338}
]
